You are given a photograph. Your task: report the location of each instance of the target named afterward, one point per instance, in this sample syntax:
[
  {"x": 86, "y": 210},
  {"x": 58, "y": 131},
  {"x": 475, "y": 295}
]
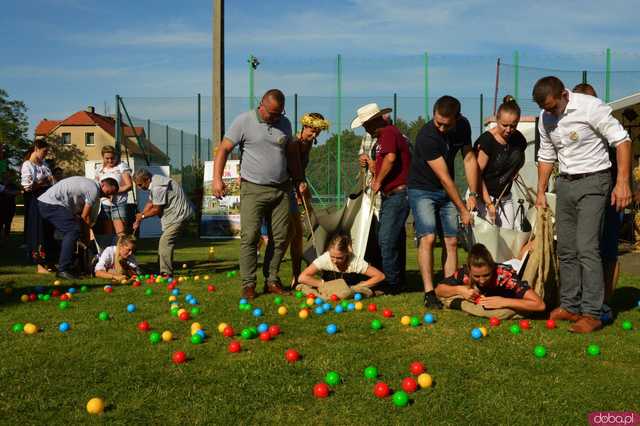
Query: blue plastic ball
[
  {"x": 357, "y": 297},
  {"x": 332, "y": 329},
  {"x": 319, "y": 301},
  {"x": 39, "y": 289},
  {"x": 72, "y": 290},
  {"x": 339, "y": 309},
  {"x": 193, "y": 301},
  {"x": 476, "y": 334},
  {"x": 201, "y": 333},
  {"x": 64, "y": 327},
  {"x": 188, "y": 296},
  {"x": 351, "y": 307},
  {"x": 131, "y": 308},
  {"x": 429, "y": 319},
  {"x": 326, "y": 307},
  {"x": 264, "y": 327},
  {"x": 257, "y": 312},
  {"x": 175, "y": 292},
  {"x": 318, "y": 310},
  {"x": 243, "y": 301}
]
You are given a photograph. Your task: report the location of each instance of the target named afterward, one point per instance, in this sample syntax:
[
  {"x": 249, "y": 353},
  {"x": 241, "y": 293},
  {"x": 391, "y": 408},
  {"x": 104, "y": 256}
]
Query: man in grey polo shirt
[
  {"x": 267, "y": 157},
  {"x": 66, "y": 205},
  {"x": 167, "y": 200}
]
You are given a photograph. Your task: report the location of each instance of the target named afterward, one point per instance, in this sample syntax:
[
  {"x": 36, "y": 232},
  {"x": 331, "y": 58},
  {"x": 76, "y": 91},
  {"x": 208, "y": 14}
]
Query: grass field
[{"x": 47, "y": 378}]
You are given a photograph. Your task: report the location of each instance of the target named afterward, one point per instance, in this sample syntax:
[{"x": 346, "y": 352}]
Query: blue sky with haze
[{"x": 61, "y": 55}]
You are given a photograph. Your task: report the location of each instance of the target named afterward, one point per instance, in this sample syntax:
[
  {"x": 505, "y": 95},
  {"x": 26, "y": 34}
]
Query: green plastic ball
[
  {"x": 627, "y": 325},
  {"x": 277, "y": 300},
  {"x": 593, "y": 350},
  {"x": 196, "y": 339},
  {"x": 147, "y": 276},
  {"x": 155, "y": 337},
  {"x": 400, "y": 399},
  {"x": 229, "y": 274},
  {"x": 40, "y": 296},
  {"x": 344, "y": 304},
  {"x": 540, "y": 351},
  {"x": 195, "y": 311},
  {"x": 246, "y": 334},
  {"x": 84, "y": 289},
  {"x": 303, "y": 305},
  {"x": 415, "y": 321},
  {"x": 376, "y": 324},
  {"x": 148, "y": 292},
  {"x": 103, "y": 316},
  {"x": 299, "y": 294},
  {"x": 332, "y": 378},
  {"x": 515, "y": 329},
  {"x": 46, "y": 298},
  {"x": 174, "y": 312},
  {"x": 17, "y": 327},
  {"x": 371, "y": 372},
  {"x": 63, "y": 305},
  {"x": 254, "y": 332}
]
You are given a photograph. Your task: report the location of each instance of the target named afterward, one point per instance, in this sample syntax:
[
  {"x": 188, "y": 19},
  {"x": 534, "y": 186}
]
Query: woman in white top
[
  {"x": 35, "y": 179},
  {"x": 115, "y": 209},
  {"x": 118, "y": 262}
]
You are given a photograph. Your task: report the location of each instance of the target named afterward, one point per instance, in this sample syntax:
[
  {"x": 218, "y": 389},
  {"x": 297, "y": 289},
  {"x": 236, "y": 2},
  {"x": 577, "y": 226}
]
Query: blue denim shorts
[
  {"x": 114, "y": 211},
  {"x": 433, "y": 211}
]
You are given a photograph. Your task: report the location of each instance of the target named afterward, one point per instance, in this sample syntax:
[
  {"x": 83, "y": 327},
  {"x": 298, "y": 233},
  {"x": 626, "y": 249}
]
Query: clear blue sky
[{"x": 61, "y": 55}]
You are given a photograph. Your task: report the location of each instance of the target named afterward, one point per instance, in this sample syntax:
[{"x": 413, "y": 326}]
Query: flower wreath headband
[{"x": 315, "y": 123}]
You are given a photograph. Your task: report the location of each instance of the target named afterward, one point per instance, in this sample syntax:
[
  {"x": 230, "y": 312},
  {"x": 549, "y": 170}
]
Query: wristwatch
[
  {"x": 142, "y": 216},
  {"x": 474, "y": 194}
]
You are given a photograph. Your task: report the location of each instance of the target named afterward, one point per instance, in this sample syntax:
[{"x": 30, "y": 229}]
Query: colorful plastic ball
[
  {"x": 405, "y": 320},
  {"x": 55, "y": 293},
  {"x": 334, "y": 298},
  {"x": 525, "y": 324},
  {"x": 45, "y": 297},
  {"x": 277, "y": 300},
  {"x": 246, "y": 334},
  {"x": 484, "y": 331},
  {"x": 381, "y": 390},
  {"x": 211, "y": 288},
  {"x": 310, "y": 301},
  {"x": 416, "y": 368},
  {"x": 515, "y": 329},
  {"x": 494, "y": 321},
  {"x": 64, "y": 327},
  {"x": 332, "y": 378},
  {"x": 131, "y": 308},
  {"x": 228, "y": 331},
  {"x": 148, "y": 292},
  {"x": 265, "y": 336},
  {"x": 318, "y": 301},
  {"x": 627, "y": 325},
  {"x": 175, "y": 292},
  {"x": 291, "y": 355},
  {"x": 221, "y": 327},
  {"x": 282, "y": 310},
  {"x": 155, "y": 337},
  {"x": 201, "y": 333},
  {"x": 167, "y": 336},
  {"x": 429, "y": 319},
  {"x": 351, "y": 307},
  {"x": 414, "y": 322},
  {"x": 592, "y": 350},
  {"x": 540, "y": 351},
  {"x": 372, "y": 307},
  {"x": 345, "y": 305},
  {"x": 18, "y": 327},
  {"x": 254, "y": 332},
  {"x": 332, "y": 329},
  {"x": 144, "y": 326},
  {"x": 274, "y": 330},
  {"x": 550, "y": 324},
  {"x": 387, "y": 313},
  {"x": 107, "y": 289},
  {"x": 425, "y": 380},
  {"x": 303, "y": 314},
  {"x": 339, "y": 309},
  {"x": 40, "y": 296},
  {"x": 359, "y": 306},
  {"x": 30, "y": 328},
  {"x": 409, "y": 385},
  {"x": 400, "y": 399},
  {"x": 303, "y": 305},
  {"x": 174, "y": 311},
  {"x": 299, "y": 295},
  {"x": 63, "y": 305},
  {"x": 184, "y": 316},
  {"x": 371, "y": 372},
  {"x": 195, "y": 311},
  {"x": 476, "y": 334},
  {"x": 63, "y": 297},
  {"x": 196, "y": 339},
  {"x": 24, "y": 298},
  {"x": 95, "y": 406},
  {"x": 234, "y": 347},
  {"x": 321, "y": 390},
  {"x": 72, "y": 290},
  {"x": 32, "y": 297},
  {"x": 263, "y": 327},
  {"x": 318, "y": 310},
  {"x": 103, "y": 316},
  {"x": 357, "y": 297},
  {"x": 376, "y": 324},
  {"x": 179, "y": 357}
]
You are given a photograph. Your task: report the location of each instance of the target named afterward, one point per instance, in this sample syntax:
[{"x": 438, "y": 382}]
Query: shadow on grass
[{"x": 625, "y": 299}]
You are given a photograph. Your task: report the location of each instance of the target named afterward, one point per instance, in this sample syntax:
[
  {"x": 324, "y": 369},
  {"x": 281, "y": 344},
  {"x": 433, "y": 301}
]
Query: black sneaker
[
  {"x": 432, "y": 301},
  {"x": 66, "y": 275}
]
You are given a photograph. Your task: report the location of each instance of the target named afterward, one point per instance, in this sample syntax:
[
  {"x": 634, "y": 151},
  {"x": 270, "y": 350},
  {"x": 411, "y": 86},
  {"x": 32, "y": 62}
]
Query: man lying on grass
[{"x": 484, "y": 288}]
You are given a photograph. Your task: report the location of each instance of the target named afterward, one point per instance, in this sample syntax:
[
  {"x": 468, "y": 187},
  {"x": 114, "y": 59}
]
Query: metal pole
[
  {"x": 339, "y": 129},
  {"x": 607, "y": 87},
  {"x": 166, "y": 138},
  {"x": 426, "y": 86},
  {"x": 584, "y": 77},
  {"x": 118, "y": 126},
  {"x": 209, "y": 149},
  {"x": 217, "y": 100},
  {"x": 495, "y": 93},
  {"x": 199, "y": 129},
  {"x": 481, "y": 112},
  {"x": 516, "y": 75},
  {"x": 395, "y": 108},
  {"x": 181, "y": 151},
  {"x": 295, "y": 113},
  {"x": 148, "y": 129},
  {"x": 251, "y": 69}
]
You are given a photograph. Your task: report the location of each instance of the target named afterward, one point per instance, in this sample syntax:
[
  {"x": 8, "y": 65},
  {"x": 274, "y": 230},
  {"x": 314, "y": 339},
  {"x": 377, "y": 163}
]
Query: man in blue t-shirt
[{"x": 433, "y": 195}]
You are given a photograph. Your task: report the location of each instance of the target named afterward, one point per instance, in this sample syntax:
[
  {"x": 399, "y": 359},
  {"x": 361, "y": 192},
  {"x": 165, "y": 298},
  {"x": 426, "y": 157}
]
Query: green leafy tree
[{"x": 14, "y": 127}]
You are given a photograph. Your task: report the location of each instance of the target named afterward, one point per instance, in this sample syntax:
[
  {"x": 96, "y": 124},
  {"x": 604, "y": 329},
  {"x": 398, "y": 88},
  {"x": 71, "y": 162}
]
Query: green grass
[{"x": 48, "y": 378}]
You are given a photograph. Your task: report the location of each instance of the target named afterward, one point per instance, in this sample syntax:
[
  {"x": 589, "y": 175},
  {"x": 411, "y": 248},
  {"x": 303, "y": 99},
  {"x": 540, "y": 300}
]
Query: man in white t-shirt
[{"x": 66, "y": 205}]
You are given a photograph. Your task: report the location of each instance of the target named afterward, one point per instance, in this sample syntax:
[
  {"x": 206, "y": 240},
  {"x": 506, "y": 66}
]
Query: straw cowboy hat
[{"x": 366, "y": 113}]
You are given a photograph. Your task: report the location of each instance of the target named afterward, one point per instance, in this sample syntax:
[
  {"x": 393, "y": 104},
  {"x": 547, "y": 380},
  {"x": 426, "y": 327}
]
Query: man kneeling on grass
[{"x": 486, "y": 289}]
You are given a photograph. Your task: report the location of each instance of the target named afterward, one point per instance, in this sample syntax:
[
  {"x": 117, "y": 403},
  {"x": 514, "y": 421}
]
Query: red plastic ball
[
  {"x": 416, "y": 368},
  {"x": 334, "y": 297},
  {"x": 144, "y": 326},
  {"x": 55, "y": 293},
  {"x": 211, "y": 288},
  {"x": 184, "y": 316},
  {"x": 292, "y": 355},
  {"x": 551, "y": 324},
  {"x": 372, "y": 307},
  {"x": 151, "y": 281},
  {"x": 108, "y": 289},
  {"x": 136, "y": 283},
  {"x": 494, "y": 322},
  {"x": 525, "y": 324},
  {"x": 265, "y": 337},
  {"x": 33, "y": 297},
  {"x": 321, "y": 390},
  {"x": 179, "y": 357},
  {"x": 171, "y": 286},
  {"x": 228, "y": 331},
  {"x": 387, "y": 313},
  {"x": 409, "y": 384},
  {"x": 274, "y": 330},
  {"x": 63, "y": 297},
  {"x": 381, "y": 390},
  {"x": 234, "y": 347}
]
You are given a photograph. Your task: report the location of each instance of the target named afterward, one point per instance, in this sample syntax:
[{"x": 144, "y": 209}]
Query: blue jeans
[
  {"x": 392, "y": 236},
  {"x": 433, "y": 210},
  {"x": 68, "y": 225}
]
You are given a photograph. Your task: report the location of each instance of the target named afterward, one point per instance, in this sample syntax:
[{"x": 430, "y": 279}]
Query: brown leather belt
[
  {"x": 395, "y": 190},
  {"x": 583, "y": 175}
]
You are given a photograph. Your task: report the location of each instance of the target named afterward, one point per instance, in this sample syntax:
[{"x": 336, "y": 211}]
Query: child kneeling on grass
[
  {"x": 118, "y": 262},
  {"x": 486, "y": 289},
  {"x": 338, "y": 266}
]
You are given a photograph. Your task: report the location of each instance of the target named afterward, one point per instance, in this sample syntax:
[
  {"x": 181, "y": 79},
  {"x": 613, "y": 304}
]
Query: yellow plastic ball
[
  {"x": 222, "y": 326},
  {"x": 303, "y": 314},
  {"x": 181, "y": 310},
  {"x": 310, "y": 301},
  {"x": 425, "y": 380},
  {"x": 405, "y": 320},
  {"x": 172, "y": 298},
  {"x": 69, "y": 296},
  {"x": 359, "y": 306},
  {"x": 24, "y": 298},
  {"x": 56, "y": 282},
  {"x": 282, "y": 310},
  {"x": 95, "y": 406},
  {"x": 158, "y": 280},
  {"x": 30, "y": 328},
  {"x": 184, "y": 266},
  {"x": 197, "y": 278},
  {"x": 167, "y": 336},
  {"x": 206, "y": 277},
  {"x": 123, "y": 281},
  {"x": 174, "y": 305},
  {"x": 196, "y": 326},
  {"x": 181, "y": 279},
  {"x": 483, "y": 330}
]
